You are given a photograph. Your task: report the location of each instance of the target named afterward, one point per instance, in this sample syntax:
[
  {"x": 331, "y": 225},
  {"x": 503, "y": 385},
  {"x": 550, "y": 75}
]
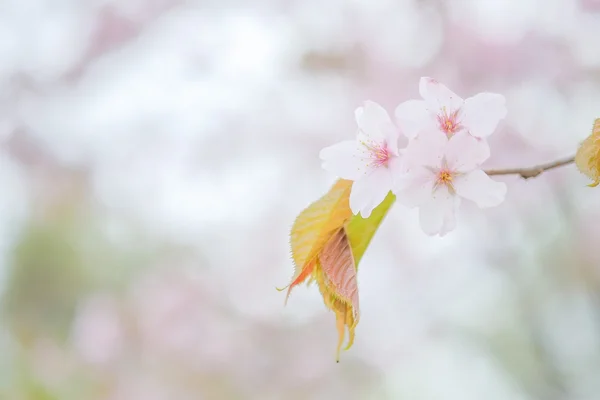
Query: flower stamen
[
  {"x": 449, "y": 122},
  {"x": 445, "y": 177},
  {"x": 378, "y": 154}
]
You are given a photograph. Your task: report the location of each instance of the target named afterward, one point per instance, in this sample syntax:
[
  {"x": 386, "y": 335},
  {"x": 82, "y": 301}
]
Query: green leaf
[{"x": 360, "y": 230}]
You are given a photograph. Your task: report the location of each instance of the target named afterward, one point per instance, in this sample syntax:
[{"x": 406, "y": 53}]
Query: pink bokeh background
[{"x": 156, "y": 152}]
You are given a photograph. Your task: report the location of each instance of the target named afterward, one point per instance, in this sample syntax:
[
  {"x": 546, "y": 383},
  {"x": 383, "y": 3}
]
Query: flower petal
[
  {"x": 436, "y": 215},
  {"x": 465, "y": 152},
  {"x": 449, "y": 223},
  {"x": 369, "y": 191},
  {"x": 398, "y": 168},
  {"x": 427, "y": 149},
  {"x": 482, "y": 113},
  {"x": 478, "y": 187},
  {"x": 413, "y": 117},
  {"x": 343, "y": 159},
  {"x": 373, "y": 120},
  {"x": 415, "y": 188},
  {"x": 438, "y": 96}
]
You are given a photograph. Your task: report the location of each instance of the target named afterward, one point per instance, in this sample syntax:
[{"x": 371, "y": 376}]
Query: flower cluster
[{"x": 440, "y": 165}]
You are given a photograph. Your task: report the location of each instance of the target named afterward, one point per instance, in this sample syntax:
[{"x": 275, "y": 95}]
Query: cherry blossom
[
  {"x": 442, "y": 171},
  {"x": 372, "y": 160},
  {"x": 447, "y": 112}
]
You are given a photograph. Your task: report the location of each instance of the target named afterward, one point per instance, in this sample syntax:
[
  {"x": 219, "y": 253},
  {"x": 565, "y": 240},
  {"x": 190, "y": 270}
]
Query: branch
[{"x": 532, "y": 172}]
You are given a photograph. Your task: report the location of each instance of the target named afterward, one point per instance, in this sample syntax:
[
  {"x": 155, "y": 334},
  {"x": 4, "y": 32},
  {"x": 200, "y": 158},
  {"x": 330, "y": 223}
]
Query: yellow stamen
[{"x": 445, "y": 177}]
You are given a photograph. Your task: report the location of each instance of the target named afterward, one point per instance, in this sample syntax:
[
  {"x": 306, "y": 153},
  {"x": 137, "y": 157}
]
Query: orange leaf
[
  {"x": 336, "y": 276},
  {"x": 314, "y": 227}
]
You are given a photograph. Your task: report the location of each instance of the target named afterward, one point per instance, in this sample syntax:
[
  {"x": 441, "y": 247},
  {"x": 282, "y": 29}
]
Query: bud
[{"x": 587, "y": 158}]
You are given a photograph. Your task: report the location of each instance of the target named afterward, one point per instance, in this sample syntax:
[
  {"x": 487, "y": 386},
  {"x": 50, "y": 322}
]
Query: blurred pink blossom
[{"x": 98, "y": 333}]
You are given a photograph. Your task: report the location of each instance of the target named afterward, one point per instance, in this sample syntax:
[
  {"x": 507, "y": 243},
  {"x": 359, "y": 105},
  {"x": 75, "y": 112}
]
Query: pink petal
[
  {"x": 427, "y": 149},
  {"x": 436, "y": 215},
  {"x": 478, "y": 187},
  {"x": 464, "y": 152},
  {"x": 369, "y": 191},
  {"x": 483, "y": 112},
  {"x": 343, "y": 159},
  {"x": 438, "y": 96},
  {"x": 415, "y": 188},
  {"x": 413, "y": 117},
  {"x": 373, "y": 120}
]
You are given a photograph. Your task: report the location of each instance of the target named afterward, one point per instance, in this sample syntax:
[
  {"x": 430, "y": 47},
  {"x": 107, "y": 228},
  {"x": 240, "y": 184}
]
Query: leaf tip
[{"x": 340, "y": 324}]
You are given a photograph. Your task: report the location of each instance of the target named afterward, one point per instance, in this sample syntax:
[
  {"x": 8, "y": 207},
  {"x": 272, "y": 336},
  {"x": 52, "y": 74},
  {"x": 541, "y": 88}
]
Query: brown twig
[{"x": 532, "y": 172}]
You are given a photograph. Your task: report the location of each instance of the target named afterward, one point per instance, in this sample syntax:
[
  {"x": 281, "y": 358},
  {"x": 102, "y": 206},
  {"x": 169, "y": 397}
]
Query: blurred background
[{"x": 154, "y": 154}]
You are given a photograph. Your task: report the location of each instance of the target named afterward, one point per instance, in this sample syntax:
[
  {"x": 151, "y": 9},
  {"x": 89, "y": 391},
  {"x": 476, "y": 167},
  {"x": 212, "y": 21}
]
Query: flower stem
[{"x": 532, "y": 172}]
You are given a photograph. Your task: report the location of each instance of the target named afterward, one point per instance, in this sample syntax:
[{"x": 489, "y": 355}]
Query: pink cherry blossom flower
[
  {"x": 442, "y": 171},
  {"x": 372, "y": 161},
  {"x": 445, "y": 111}
]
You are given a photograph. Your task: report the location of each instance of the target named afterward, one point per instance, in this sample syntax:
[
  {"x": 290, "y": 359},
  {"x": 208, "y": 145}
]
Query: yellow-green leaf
[{"x": 361, "y": 230}]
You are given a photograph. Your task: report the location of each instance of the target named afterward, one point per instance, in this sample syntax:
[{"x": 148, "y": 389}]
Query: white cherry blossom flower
[
  {"x": 372, "y": 160},
  {"x": 445, "y": 111},
  {"x": 442, "y": 171}
]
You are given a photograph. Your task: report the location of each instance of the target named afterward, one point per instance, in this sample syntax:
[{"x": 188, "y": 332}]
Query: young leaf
[
  {"x": 336, "y": 276},
  {"x": 587, "y": 158},
  {"x": 361, "y": 230},
  {"x": 327, "y": 244},
  {"x": 314, "y": 227}
]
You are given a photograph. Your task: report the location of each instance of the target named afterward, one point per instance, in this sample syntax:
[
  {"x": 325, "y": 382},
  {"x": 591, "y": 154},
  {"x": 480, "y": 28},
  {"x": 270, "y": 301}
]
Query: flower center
[
  {"x": 449, "y": 122},
  {"x": 378, "y": 154},
  {"x": 445, "y": 177}
]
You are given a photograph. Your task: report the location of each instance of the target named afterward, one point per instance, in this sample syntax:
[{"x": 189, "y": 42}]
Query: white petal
[
  {"x": 465, "y": 152},
  {"x": 413, "y": 117},
  {"x": 415, "y": 188},
  {"x": 482, "y": 113},
  {"x": 438, "y": 96},
  {"x": 343, "y": 159},
  {"x": 449, "y": 223},
  {"x": 391, "y": 136},
  {"x": 436, "y": 215},
  {"x": 373, "y": 120},
  {"x": 369, "y": 191},
  {"x": 398, "y": 168},
  {"x": 427, "y": 149},
  {"x": 478, "y": 187}
]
